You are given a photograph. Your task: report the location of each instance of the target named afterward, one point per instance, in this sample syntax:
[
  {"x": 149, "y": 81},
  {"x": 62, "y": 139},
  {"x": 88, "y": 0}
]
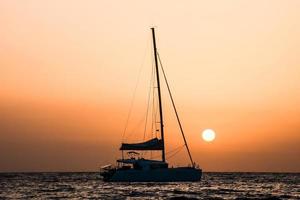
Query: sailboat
[{"x": 138, "y": 169}]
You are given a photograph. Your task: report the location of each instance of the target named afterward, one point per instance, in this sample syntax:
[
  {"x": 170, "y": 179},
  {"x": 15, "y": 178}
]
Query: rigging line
[
  {"x": 155, "y": 117},
  {"x": 148, "y": 104},
  {"x": 171, "y": 151},
  {"x": 131, "y": 105},
  {"x": 138, "y": 125},
  {"x": 152, "y": 112},
  {"x": 153, "y": 99},
  {"x": 173, "y": 103},
  {"x": 134, "y": 92},
  {"x": 170, "y": 156},
  {"x": 156, "y": 113},
  {"x": 153, "y": 123},
  {"x": 154, "y": 104},
  {"x": 155, "y": 109}
]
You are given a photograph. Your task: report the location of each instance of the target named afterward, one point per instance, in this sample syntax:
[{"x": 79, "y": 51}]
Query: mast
[{"x": 159, "y": 96}]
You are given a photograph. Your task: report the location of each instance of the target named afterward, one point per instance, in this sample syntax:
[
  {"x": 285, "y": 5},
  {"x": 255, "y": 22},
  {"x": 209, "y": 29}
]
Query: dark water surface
[{"x": 90, "y": 186}]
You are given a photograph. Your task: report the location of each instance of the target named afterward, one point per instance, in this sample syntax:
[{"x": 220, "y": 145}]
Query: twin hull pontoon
[
  {"x": 150, "y": 171},
  {"x": 137, "y": 169}
]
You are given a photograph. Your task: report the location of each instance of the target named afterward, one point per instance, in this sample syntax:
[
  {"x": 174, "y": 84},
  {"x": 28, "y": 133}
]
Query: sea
[{"x": 213, "y": 186}]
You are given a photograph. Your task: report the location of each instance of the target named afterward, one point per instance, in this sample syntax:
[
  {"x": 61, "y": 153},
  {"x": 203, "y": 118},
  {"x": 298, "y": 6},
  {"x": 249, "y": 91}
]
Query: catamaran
[{"x": 134, "y": 168}]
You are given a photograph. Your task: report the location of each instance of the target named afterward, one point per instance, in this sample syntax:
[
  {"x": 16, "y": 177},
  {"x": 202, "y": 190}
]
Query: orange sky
[{"x": 68, "y": 70}]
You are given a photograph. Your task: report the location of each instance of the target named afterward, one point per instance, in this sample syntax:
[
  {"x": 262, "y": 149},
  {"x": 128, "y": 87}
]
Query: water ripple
[{"x": 214, "y": 186}]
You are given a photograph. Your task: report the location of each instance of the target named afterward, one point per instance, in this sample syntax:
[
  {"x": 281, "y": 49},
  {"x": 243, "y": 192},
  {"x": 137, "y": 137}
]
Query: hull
[{"x": 155, "y": 175}]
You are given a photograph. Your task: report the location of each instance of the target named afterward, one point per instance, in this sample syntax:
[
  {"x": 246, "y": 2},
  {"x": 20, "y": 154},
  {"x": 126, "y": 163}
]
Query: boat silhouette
[{"x": 138, "y": 169}]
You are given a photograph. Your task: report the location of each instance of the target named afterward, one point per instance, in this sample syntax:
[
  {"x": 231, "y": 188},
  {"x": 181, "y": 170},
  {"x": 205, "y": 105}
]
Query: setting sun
[{"x": 208, "y": 135}]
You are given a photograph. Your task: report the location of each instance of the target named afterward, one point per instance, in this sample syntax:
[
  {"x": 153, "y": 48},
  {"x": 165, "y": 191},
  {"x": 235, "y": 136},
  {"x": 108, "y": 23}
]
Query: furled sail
[{"x": 153, "y": 144}]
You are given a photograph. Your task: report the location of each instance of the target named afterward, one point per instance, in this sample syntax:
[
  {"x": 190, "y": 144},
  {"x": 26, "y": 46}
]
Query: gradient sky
[{"x": 68, "y": 71}]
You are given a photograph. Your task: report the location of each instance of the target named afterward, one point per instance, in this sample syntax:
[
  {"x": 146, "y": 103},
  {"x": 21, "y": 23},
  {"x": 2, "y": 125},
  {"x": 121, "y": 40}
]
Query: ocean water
[{"x": 90, "y": 186}]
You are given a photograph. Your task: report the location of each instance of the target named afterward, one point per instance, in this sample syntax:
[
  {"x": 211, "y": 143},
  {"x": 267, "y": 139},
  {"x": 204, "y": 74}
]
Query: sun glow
[{"x": 208, "y": 135}]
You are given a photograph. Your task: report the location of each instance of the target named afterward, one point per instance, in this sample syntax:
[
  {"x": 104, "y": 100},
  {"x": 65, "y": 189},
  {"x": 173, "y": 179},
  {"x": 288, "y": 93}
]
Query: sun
[{"x": 208, "y": 135}]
